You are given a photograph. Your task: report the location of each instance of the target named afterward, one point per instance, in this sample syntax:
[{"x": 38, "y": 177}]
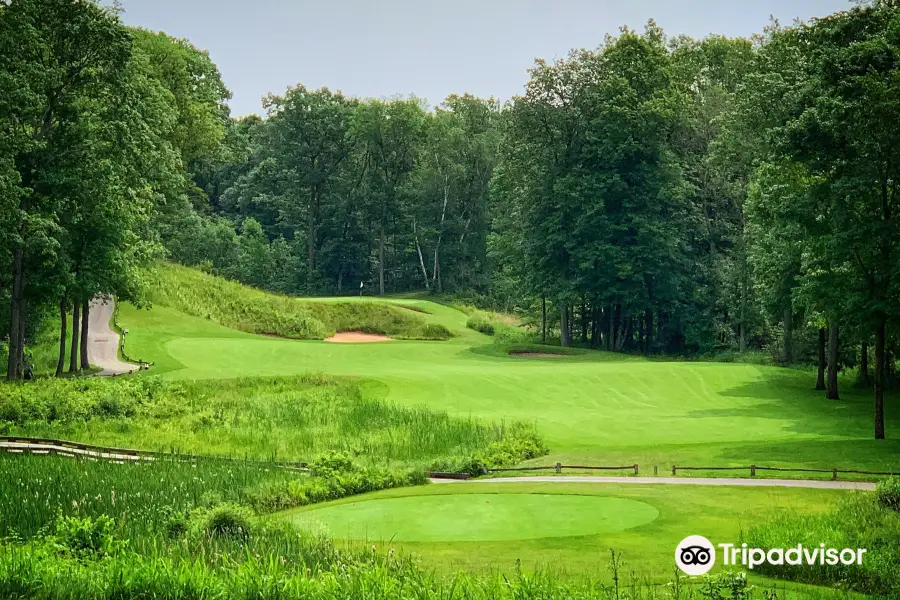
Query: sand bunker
[
  {"x": 354, "y": 337},
  {"x": 536, "y": 355}
]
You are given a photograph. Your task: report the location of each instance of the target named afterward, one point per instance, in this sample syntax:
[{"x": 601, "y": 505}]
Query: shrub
[
  {"x": 887, "y": 493},
  {"x": 225, "y": 521},
  {"x": 479, "y": 323},
  {"x": 85, "y": 537}
]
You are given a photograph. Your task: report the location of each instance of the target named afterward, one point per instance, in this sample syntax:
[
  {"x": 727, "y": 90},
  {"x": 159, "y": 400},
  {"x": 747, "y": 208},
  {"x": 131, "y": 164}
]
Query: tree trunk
[
  {"x": 864, "y": 364},
  {"x": 611, "y": 335},
  {"x": 381, "y": 261},
  {"x": 543, "y": 320},
  {"x": 85, "y": 315},
  {"x": 831, "y": 385},
  {"x": 436, "y": 270},
  {"x": 788, "y": 335},
  {"x": 12, "y": 363},
  {"x": 23, "y": 320},
  {"x": 76, "y": 336},
  {"x": 820, "y": 377},
  {"x": 63, "y": 321},
  {"x": 648, "y": 332},
  {"x": 311, "y": 217},
  {"x": 563, "y": 324},
  {"x": 880, "y": 327},
  {"x": 421, "y": 258},
  {"x": 595, "y": 327},
  {"x": 584, "y": 322}
]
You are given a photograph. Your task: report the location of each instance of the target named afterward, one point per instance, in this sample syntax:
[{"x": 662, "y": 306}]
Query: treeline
[
  {"x": 654, "y": 194},
  {"x": 329, "y": 194},
  {"x": 99, "y": 124},
  {"x": 677, "y": 195}
]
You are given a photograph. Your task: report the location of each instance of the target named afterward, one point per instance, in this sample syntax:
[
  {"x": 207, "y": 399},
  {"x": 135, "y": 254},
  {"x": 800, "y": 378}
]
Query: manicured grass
[
  {"x": 645, "y": 527},
  {"x": 592, "y": 407},
  {"x": 479, "y": 517}
]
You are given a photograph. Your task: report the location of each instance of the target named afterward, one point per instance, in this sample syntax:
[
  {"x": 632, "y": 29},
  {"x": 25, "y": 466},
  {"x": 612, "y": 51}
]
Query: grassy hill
[{"x": 237, "y": 306}]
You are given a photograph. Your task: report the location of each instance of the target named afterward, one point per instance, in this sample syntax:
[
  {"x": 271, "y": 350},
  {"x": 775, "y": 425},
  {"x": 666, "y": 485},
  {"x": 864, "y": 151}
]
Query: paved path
[
  {"x": 103, "y": 342},
  {"x": 794, "y": 483}
]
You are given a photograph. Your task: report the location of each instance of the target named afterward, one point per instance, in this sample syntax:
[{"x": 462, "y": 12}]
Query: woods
[{"x": 653, "y": 195}]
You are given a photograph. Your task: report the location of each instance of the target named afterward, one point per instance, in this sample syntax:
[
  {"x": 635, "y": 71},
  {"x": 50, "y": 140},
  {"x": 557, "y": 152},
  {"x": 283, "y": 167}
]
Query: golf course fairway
[{"x": 594, "y": 408}]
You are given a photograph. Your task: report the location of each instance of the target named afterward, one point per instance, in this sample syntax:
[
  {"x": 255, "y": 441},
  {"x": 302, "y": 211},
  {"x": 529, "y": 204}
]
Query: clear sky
[{"x": 371, "y": 48}]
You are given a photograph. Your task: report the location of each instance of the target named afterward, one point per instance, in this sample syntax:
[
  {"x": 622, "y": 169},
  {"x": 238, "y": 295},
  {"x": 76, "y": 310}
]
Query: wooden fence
[
  {"x": 47, "y": 446},
  {"x": 121, "y": 331},
  {"x": 558, "y": 467},
  {"x": 754, "y": 468}
]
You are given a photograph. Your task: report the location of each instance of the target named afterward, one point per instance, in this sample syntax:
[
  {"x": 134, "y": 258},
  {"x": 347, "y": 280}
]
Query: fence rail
[
  {"x": 754, "y": 468},
  {"x": 121, "y": 331},
  {"x": 28, "y": 445},
  {"x": 49, "y": 446},
  {"x": 558, "y": 467}
]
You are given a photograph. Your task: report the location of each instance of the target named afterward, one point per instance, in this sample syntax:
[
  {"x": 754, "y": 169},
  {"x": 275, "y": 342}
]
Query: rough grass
[
  {"x": 79, "y": 529},
  {"x": 857, "y": 522},
  {"x": 293, "y": 418},
  {"x": 237, "y": 306}
]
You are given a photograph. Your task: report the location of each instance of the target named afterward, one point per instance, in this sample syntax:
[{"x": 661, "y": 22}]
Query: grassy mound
[{"x": 237, "y": 306}]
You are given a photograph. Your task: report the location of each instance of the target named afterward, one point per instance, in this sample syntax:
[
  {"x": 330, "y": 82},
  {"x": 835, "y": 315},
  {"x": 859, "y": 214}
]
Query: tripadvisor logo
[{"x": 696, "y": 555}]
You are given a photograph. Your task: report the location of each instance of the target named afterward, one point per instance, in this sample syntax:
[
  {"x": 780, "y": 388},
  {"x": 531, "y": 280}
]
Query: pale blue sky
[{"x": 368, "y": 48}]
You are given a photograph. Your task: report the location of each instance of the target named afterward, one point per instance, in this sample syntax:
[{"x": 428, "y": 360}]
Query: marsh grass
[
  {"x": 240, "y": 307},
  {"x": 292, "y": 418}
]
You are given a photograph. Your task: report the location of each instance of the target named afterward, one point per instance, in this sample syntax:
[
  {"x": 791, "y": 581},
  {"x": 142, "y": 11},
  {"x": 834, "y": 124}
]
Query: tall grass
[
  {"x": 292, "y": 418},
  {"x": 244, "y": 308},
  {"x": 859, "y": 522}
]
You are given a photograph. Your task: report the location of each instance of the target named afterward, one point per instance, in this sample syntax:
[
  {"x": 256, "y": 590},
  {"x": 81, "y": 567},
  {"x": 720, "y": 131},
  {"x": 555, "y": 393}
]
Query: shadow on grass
[{"x": 788, "y": 395}]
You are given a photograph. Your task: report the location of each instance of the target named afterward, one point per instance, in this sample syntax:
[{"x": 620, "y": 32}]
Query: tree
[
  {"x": 839, "y": 134},
  {"x": 55, "y": 56}
]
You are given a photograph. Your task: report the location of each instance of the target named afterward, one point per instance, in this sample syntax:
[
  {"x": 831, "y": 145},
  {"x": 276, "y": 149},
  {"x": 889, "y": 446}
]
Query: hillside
[{"x": 240, "y": 307}]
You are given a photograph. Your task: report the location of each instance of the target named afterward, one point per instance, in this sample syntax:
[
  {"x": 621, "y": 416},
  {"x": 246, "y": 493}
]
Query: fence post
[
  {"x": 752, "y": 470},
  {"x": 834, "y": 474},
  {"x": 673, "y": 469},
  {"x": 635, "y": 469},
  {"x": 558, "y": 467}
]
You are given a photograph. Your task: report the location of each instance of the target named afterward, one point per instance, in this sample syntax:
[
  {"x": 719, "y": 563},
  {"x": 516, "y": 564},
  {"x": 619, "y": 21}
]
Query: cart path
[
  {"x": 103, "y": 342},
  {"x": 728, "y": 481}
]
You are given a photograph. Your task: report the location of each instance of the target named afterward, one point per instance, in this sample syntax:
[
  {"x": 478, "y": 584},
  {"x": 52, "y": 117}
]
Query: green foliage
[
  {"x": 520, "y": 443},
  {"x": 295, "y": 418},
  {"x": 224, "y": 520},
  {"x": 481, "y": 324},
  {"x": 888, "y": 493},
  {"x": 859, "y": 522},
  {"x": 330, "y": 478},
  {"x": 86, "y": 537}
]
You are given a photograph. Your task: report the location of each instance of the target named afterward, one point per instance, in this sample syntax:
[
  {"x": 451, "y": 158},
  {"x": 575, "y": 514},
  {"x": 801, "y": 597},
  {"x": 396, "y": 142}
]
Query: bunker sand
[{"x": 356, "y": 337}]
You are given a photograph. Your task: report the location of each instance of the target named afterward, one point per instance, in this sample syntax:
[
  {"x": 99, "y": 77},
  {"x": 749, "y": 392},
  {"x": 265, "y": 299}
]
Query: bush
[
  {"x": 223, "y": 521},
  {"x": 520, "y": 443},
  {"x": 887, "y": 493},
  {"x": 86, "y": 537},
  {"x": 479, "y": 323}
]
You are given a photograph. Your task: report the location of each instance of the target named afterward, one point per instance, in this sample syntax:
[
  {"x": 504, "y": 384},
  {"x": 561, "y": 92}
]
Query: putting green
[{"x": 478, "y": 517}]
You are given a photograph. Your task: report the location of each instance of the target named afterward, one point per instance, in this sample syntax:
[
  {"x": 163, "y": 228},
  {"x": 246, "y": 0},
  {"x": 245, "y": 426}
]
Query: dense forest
[{"x": 655, "y": 194}]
